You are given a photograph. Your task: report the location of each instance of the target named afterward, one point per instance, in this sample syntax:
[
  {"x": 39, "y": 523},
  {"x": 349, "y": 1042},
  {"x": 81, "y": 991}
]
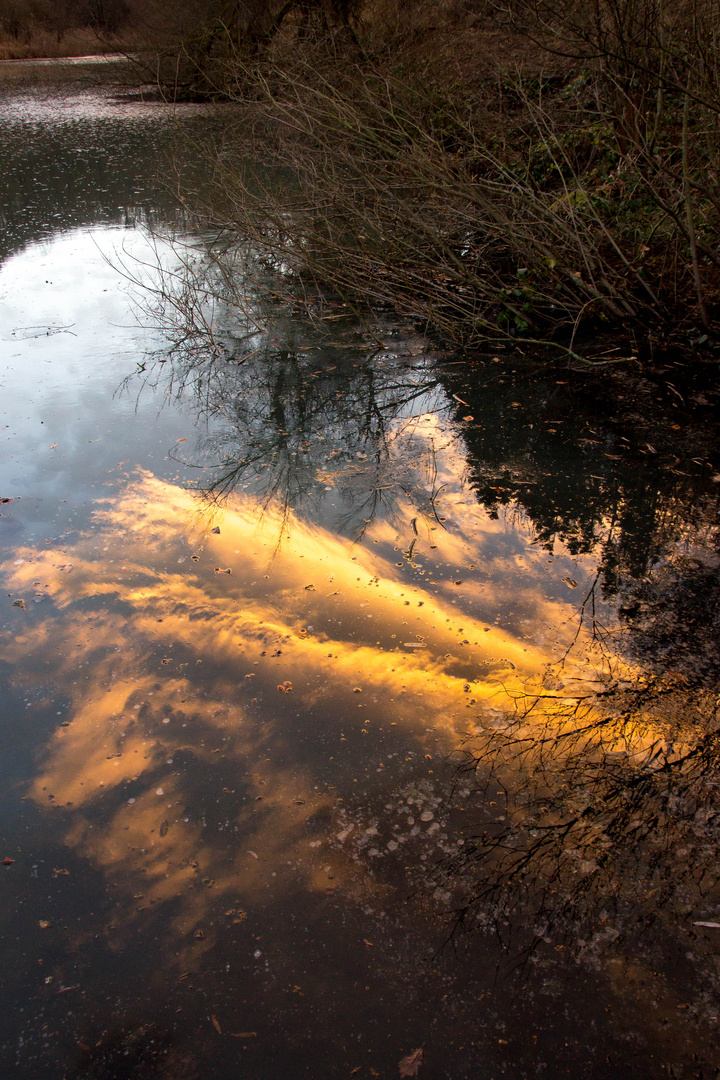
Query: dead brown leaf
[
  {"x": 216, "y": 1024},
  {"x": 409, "y": 1065}
]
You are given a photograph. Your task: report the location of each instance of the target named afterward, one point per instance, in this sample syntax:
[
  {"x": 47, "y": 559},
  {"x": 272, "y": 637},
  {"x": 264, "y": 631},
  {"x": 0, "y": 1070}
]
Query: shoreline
[{"x": 96, "y": 58}]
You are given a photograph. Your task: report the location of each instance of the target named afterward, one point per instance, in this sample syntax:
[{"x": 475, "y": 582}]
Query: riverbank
[
  {"x": 520, "y": 176},
  {"x": 83, "y": 44}
]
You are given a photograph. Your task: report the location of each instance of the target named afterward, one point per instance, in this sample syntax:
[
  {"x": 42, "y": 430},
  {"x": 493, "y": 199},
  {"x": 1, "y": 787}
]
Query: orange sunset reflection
[{"x": 225, "y": 696}]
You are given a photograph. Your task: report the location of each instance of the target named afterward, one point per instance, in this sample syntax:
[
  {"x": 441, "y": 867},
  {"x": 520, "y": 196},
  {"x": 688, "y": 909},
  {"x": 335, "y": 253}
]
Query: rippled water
[{"x": 258, "y": 587}]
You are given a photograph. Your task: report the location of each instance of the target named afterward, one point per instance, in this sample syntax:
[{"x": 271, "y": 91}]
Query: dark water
[{"x": 265, "y": 569}]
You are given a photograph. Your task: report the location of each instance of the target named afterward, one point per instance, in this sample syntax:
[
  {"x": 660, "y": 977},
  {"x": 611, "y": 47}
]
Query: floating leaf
[
  {"x": 285, "y": 687},
  {"x": 164, "y": 828},
  {"x": 7, "y": 861},
  {"x": 409, "y": 1065},
  {"x": 216, "y": 529},
  {"x": 19, "y": 603},
  {"x": 216, "y": 1024},
  {"x": 570, "y": 582}
]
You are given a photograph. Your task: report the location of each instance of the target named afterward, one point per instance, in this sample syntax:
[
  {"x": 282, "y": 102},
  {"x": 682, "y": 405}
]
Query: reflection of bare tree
[
  {"x": 606, "y": 798},
  {"x": 298, "y": 397}
]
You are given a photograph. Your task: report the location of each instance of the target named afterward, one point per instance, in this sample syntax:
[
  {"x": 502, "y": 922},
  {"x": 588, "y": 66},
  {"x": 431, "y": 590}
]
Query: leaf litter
[{"x": 410, "y": 1065}]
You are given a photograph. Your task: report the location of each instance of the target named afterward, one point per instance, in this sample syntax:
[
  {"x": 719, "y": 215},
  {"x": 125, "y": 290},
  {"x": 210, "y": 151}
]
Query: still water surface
[{"x": 257, "y": 593}]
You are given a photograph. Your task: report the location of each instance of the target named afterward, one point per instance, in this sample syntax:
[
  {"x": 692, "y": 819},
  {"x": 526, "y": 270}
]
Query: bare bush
[{"x": 532, "y": 224}]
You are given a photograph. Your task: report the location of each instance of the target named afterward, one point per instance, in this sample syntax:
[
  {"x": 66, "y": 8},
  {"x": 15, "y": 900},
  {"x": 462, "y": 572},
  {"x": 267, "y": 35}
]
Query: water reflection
[
  {"x": 228, "y": 714},
  {"x": 625, "y": 465},
  {"x": 225, "y": 706},
  {"x": 74, "y": 155},
  {"x": 244, "y": 730},
  {"x": 302, "y": 656},
  {"x": 300, "y": 399}
]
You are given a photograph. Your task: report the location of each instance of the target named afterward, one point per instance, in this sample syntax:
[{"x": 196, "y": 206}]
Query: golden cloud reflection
[{"x": 226, "y": 699}]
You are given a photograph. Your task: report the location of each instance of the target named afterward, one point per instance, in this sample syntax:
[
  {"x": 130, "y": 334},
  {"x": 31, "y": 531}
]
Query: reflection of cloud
[{"x": 183, "y": 766}]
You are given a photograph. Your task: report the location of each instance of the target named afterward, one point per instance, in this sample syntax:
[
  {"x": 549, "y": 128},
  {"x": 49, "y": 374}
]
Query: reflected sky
[
  {"x": 258, "y": 587},
  {"x": 244, "y": 653}
]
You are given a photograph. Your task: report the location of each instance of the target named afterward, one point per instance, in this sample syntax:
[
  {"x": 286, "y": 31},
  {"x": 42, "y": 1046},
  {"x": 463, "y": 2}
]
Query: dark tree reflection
[{"x": 622, "y": 465}]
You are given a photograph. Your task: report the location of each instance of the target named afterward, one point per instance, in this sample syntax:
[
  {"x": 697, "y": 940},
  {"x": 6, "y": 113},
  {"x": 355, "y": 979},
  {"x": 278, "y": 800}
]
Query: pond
[{"x": 291, "y": 600}]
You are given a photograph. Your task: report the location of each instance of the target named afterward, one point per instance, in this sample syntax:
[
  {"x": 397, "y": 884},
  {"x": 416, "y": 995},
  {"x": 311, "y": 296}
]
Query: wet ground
[{"x": 265, "y": 570}]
